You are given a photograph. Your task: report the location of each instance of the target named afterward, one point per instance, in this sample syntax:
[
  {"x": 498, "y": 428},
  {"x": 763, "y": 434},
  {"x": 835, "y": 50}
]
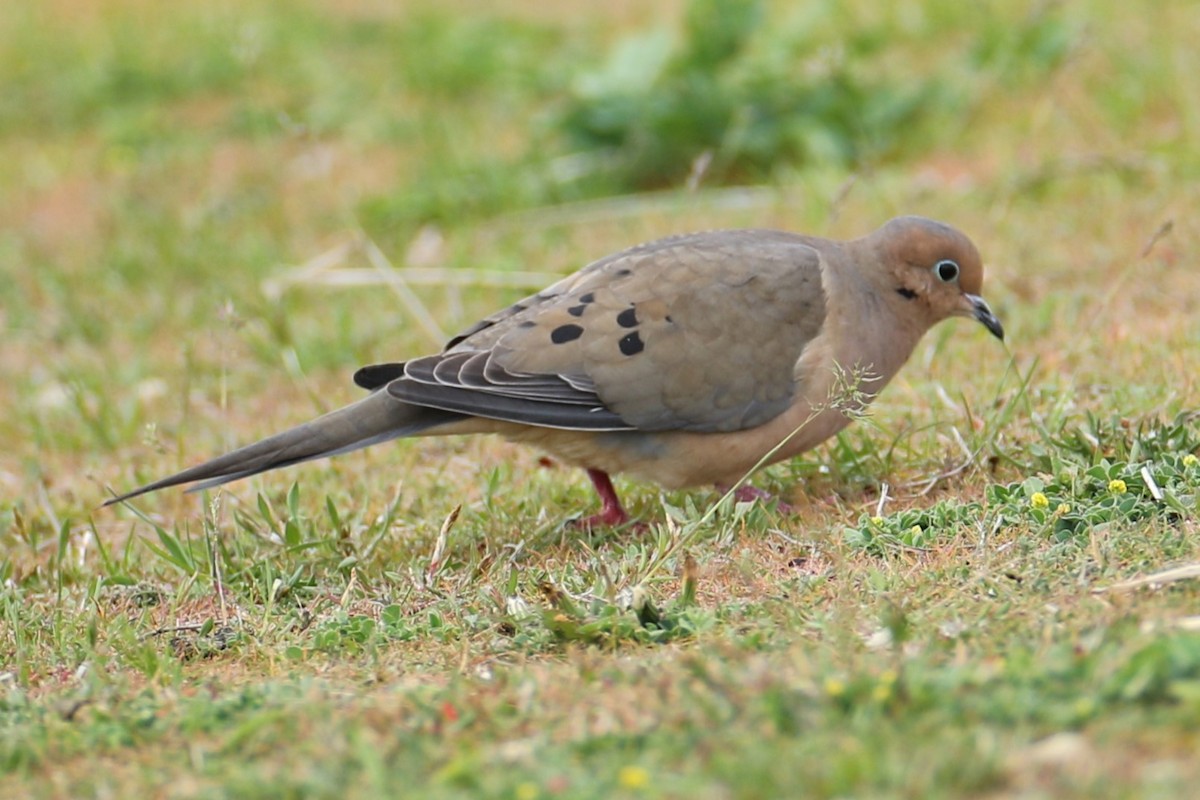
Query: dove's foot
[
  {"x": 612, "y": 513},
  {"x": 748, "y": 494}
]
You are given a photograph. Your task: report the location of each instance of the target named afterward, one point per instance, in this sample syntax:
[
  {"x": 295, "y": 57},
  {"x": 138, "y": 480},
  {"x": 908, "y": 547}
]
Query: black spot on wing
[
  {"x": 566, "y": 333},
  {"x": 577, "y": 311},
  {"x": 628, "y": 318},
  {"x": 632, "y": 344},
  {"x": 497, "y": 319}
]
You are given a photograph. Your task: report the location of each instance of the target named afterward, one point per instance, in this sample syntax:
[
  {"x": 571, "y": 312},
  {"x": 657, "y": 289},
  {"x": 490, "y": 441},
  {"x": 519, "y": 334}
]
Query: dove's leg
[{"x": 612, "y": 513}]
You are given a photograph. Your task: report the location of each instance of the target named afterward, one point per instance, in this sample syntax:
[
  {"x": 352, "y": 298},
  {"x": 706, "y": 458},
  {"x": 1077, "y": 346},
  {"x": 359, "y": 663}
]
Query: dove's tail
[{"x": 374, "y": 419}]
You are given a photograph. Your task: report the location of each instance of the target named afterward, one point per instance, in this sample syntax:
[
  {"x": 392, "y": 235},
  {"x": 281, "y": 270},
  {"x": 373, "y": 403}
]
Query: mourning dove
[{"x": 684, "y": 361}]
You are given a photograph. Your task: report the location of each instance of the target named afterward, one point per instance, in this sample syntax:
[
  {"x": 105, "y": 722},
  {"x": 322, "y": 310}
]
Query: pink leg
[
  {"x": 611, "y": 513},
  {"x": 748, "y": 494}
]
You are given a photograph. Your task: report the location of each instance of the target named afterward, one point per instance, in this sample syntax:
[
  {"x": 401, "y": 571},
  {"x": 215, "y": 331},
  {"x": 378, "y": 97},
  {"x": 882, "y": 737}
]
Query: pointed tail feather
[{"x": 374, "y": 419}]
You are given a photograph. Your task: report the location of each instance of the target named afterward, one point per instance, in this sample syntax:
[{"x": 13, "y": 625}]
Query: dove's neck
[{"x": 868, "y": 336}]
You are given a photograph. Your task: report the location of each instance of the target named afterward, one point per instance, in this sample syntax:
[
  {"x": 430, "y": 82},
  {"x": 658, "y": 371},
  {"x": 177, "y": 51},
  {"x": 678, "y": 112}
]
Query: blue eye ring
[{"x": 947, "y": 271}]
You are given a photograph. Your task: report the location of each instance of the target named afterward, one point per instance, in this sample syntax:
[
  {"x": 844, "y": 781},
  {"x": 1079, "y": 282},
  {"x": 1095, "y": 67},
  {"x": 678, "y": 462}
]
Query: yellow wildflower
[
  {"x": 1117, "y": 486},
  {"x": 633, "y": 778},
  {"x": 1062, "y": 509},
  {"x": 1190, "y": 460},
  {"x": 834, "y": 687},
  {"x": 527, "y": 791},
  {"x": 876, "y": 520},
  {"x": 1039, "y": 500}
]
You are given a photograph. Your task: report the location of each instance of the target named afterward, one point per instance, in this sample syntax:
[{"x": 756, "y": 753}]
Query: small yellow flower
[
  {"x": 915, "y": 530},
  {"x": 1190, "y": 460},
  {"x": 1117, "y": 486},
  {"x": 881, "y": 692},
  {"x": 527, "y": 791},
  {"x": 633, "y": 778},
  {"x": 834, "y": 687},
  {"x": 1062, "y": 509},
  {"x": 876, "y": 520},
  {"x": 1039, "y": 500}
]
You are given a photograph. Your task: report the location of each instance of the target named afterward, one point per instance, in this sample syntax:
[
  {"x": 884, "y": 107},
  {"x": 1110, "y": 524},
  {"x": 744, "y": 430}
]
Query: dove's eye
[{"x": 946, "y": 270}]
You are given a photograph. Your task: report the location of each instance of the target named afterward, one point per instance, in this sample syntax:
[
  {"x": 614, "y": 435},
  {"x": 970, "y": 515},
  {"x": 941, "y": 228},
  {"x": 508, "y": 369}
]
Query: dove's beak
[{"x": 978, "y": 308}]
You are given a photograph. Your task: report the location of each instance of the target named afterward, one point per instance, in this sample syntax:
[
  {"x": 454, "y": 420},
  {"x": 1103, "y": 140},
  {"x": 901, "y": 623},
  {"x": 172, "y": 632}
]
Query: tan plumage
[{"x": 681, "y": 361}]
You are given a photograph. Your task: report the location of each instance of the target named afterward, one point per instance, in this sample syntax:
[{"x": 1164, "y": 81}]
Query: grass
[{"x": 416, "y": 618}]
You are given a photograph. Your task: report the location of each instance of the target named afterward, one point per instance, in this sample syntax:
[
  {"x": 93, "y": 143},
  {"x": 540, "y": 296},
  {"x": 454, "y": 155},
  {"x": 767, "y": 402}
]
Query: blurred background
[{"x": 190, "y": 192}]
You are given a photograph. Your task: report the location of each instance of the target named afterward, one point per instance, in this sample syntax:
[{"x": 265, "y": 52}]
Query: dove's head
[{"x": 935, "y": 267}]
